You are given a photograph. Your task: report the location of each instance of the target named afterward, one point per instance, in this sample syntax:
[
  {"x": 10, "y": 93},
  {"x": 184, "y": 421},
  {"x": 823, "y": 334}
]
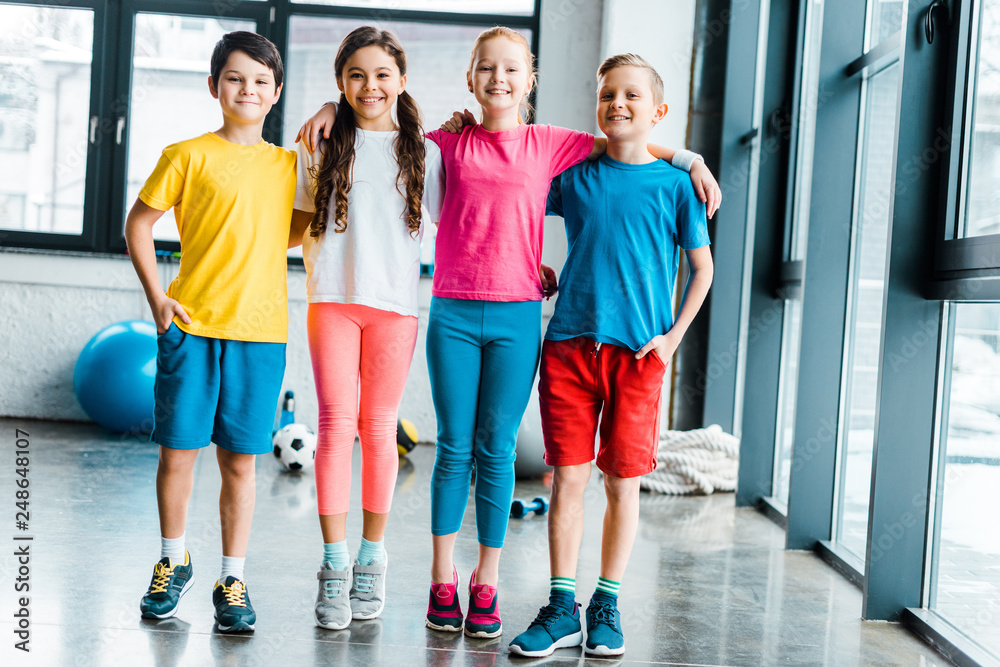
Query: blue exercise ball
[{"x": 114, "y": 375}]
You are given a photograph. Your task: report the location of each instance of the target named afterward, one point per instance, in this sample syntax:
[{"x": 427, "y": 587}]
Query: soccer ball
[{"x": 295, "y": 447}]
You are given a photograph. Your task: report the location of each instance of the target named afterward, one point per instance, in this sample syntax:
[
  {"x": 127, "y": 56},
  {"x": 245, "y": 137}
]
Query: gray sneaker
[
  {"x": 333, "y": 609},
  {"x": 368, "y": 590}
]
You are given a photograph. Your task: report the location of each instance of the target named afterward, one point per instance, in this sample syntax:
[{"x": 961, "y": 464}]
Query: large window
[
  {"x": 870, "y": 235},
  {"x": 382, "y": 9},
  {"x": 982, "y": 166},
  {"x": 796, "y": 236},
  {"x": 965, "y": 568},
  {"x": 896, "y": 418},
  {"x": 963, "y": 586},
  {"x": 77, "y": 142},
  {"x": 45, "y": 66}
]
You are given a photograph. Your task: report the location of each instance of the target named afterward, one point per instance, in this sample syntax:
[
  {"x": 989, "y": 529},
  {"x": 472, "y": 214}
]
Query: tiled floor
[{"x": 708, "y": 584}]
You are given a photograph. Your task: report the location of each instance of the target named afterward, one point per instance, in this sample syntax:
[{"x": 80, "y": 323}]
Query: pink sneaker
[
  {"x": 484, "y": 613},
  {"x": 443, "y": 609}
]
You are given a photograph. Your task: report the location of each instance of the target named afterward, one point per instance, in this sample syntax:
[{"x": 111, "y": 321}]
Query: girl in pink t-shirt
[{"x": 484, "y": 330}]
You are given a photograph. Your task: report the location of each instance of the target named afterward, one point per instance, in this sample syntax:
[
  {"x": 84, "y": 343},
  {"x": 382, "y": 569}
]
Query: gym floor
[{"x": 708, "y": 584}]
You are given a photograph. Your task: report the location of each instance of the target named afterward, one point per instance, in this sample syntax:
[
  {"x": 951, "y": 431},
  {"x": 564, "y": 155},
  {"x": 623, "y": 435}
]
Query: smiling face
[
  {"x": 371, "y": 82},
  {"x": 626, "y": 106},
  {"x": 500, "y": 78},
  {"x": 246, "y": 90}
]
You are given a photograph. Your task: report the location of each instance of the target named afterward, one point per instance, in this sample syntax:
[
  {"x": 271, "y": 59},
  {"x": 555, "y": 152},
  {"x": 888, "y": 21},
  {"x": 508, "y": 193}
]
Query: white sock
[
  {"x": 172, "y": 548},
  {"x": 232, "y": 567}
]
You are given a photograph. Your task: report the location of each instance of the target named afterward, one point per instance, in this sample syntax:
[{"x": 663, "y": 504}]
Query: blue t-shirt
[{"x": 624, "y": 223}]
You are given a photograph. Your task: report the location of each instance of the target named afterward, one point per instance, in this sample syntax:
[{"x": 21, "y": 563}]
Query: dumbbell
[{"x": 519, "y": 508}]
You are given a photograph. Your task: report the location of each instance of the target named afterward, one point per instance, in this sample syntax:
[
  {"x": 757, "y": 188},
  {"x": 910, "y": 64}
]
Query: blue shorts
[{"x": 215, "y": 390}]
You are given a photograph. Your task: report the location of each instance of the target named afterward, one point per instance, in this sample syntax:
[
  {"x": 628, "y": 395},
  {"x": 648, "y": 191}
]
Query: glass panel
[
  {"x": 871, "y": 228},
  {"x": 45, "y": 56},
  {"x": 982, "y": 205},
  {"x": 791, "y": 339},
  {"x": 887, "y": 19},
  {"x": 791, "y": 333},
  {"x": 382, "y": 9},
  {"x": 170, "y": 72},
  {"x": 966, "y": 588}
]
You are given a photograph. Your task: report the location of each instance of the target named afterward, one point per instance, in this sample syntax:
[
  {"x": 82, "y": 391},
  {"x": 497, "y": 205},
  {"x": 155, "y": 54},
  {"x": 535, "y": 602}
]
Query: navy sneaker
[
  {"x": 169, "y": 583},
  {"x": 233, "y": 611},
  {"x": 604, "y": 626},
  {"x": 553, "y": 628}
]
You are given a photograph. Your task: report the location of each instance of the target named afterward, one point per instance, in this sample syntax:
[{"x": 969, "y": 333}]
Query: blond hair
[
  {"x": 632, "y": 60},
  {"x": 526, "y": 109}
]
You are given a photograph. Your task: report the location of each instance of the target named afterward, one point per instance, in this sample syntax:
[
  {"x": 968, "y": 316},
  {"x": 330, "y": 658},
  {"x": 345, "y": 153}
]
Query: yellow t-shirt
[{"x": 233, "y": 206}]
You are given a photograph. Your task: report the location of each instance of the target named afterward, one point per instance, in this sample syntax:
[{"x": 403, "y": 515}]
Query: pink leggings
[{"x": 347, "y": 341}]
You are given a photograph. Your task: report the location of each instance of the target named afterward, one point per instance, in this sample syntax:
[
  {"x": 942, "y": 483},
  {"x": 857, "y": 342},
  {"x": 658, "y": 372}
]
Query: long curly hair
[{"x": 333, "y": 175}]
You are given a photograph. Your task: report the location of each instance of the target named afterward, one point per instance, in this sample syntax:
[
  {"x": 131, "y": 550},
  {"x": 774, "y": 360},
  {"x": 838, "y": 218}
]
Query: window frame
[
  {"x": 105, "y": 24},
  {"x": 965, "y": 269},
  {"x": 111, "y": 69}
]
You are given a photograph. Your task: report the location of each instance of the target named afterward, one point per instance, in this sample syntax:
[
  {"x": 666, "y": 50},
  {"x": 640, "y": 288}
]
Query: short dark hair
[{"x": 257, "y": 47}]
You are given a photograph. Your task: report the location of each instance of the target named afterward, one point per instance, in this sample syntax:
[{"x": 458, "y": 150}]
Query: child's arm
[
  {"x": 705, "y": 185},
  {"x": 300, "y": 223},
  {"x": 139, "y": 237},
  {"x": 321, "y": 122},
  {"x": 702, "y": 270}
]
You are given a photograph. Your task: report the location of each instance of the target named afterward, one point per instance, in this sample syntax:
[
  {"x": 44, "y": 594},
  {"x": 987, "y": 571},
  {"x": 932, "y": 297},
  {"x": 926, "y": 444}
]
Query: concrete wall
[{"x": 53, "y": 303}]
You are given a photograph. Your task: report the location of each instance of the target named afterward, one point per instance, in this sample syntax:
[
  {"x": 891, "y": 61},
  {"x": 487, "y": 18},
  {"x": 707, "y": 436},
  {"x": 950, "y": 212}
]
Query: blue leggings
[{"x": 481, "y": 357}]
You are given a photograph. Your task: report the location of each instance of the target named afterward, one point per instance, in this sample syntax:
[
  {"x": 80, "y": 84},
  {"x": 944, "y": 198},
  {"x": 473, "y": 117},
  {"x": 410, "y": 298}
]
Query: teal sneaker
[
  {"x": 167, "y": 587},
  {"x": 553, "y": 628},
  {"x": 604, "y": 626},
  {"x": 233, "y": 611}
]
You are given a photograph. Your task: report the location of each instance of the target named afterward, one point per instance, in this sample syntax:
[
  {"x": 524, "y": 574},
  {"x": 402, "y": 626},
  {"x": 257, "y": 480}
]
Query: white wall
[
  {"x": 53, "y": 303},
  {"x": 662, "y": 33}
]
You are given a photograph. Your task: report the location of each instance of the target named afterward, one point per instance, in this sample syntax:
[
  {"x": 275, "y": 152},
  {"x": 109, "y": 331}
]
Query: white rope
[{"x": 703, "y": 461}]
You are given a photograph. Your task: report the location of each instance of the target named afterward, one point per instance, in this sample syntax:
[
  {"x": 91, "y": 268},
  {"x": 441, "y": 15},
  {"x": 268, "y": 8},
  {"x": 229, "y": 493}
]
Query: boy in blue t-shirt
[{"x": 609, "y": 342}]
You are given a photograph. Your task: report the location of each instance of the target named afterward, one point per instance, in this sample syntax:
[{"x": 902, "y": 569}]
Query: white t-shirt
[{"x": 374, "y": 262}]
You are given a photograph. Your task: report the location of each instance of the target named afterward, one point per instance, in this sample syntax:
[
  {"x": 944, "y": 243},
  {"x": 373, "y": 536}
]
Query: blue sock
[
  {"x": 337, "y": 555},
  {"x": 604, "y": 596},
  {"x": 371, "y": 552},
  {"x": 562, "y": 599}
]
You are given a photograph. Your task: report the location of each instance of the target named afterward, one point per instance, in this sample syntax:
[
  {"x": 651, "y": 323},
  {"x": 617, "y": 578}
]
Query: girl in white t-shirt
[{"x": 361, "y": 202}]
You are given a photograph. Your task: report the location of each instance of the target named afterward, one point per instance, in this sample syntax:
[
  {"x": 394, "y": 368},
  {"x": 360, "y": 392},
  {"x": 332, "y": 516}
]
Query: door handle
[{"x": 749, "y": 137}]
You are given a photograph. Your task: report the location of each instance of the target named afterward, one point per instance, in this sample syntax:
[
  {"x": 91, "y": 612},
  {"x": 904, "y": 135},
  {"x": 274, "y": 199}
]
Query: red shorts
[{"x": 581, "y": 382}]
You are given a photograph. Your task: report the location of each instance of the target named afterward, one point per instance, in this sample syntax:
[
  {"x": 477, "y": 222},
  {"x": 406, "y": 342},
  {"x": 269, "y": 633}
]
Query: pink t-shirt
[{"x": 489, "y": 240}]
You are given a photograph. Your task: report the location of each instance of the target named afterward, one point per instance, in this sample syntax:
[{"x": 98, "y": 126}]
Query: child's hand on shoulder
[
  {"x": 164, "y": 312},
  {"x": 664, "y": 345},
  {"x": 457, "y": 121},
  {"x": 320, "y": 123},
  {"x": 706, "y": 186}
]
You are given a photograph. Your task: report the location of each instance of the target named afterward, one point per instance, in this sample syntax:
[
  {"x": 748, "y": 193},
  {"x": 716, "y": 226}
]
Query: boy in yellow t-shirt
[{"x": 223, "y": 322}]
